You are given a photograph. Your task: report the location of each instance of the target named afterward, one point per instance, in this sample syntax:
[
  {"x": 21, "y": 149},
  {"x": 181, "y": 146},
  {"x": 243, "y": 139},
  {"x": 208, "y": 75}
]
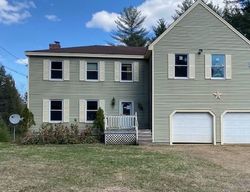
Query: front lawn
[{"x": 124, "y": 168}]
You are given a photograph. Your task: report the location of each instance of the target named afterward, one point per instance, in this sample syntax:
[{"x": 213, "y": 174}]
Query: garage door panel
[
  {"x": 236, "y": 128},
  {"x": 192, "y": 128}
]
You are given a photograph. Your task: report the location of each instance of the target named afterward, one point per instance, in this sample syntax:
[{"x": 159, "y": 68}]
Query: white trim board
[
  {"x": 30, "y": 53},
  {"x": 198, "y": 2}
]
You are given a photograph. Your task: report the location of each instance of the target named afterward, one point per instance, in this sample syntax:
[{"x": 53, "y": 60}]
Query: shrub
[
  {"x": 98, "y": 124},
  {"x": 59, "y": 134},
  {"x": 4, "y": 133},
  {"x": 27, "y": 122}
]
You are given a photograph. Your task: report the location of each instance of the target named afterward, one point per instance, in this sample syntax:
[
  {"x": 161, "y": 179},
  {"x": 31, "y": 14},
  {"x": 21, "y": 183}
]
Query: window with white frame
[
  {"x": 56, "y": 70},
  {"x": 181, "y": 65},
  {"x": 92, "y": 71},
  {"x": 218, "y": 66},
  {"x": 126, "y": 72},
  {"x": 126, "y": 107},
  {"x": 92, "y": 107},
  {"x": 56, "y": 110}
]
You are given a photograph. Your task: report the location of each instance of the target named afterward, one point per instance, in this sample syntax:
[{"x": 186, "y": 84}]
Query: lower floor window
[
  {"x": 92, "y": 107},
  {"x": 56, "y": 110}
]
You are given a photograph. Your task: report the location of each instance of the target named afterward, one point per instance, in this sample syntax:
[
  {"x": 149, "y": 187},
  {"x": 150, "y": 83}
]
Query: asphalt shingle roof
[{"x": 99, "y": 49}]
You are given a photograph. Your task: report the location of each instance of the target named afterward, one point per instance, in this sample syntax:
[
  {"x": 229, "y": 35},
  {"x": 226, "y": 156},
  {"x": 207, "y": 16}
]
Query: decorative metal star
[{"x": 217, "y": 95}]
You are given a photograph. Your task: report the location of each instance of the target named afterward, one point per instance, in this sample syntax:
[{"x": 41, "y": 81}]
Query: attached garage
[
  {"x": 236, "y": 128},
  {"x": 192, "y": 127}
]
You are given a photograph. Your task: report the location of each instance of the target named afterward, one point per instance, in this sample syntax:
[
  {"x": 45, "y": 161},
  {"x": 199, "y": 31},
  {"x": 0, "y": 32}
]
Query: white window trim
[
  {"x": 50, "y": 64},
  {"x": 218, "y": 78},
  {"x": 98, "y": 70},
  {"x": 127, "y": 81},
  {"x": 51, "y": 121},
  {"x": 182, "y": 78},
  {"x": 86, "y": 109},
  {"x": 120, "y": 106}
]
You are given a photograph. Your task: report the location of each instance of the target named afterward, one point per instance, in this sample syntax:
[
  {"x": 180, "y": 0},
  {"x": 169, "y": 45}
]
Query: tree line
[
  {"x": 130, "y": 29},
  {"x": 11, "y": 102}
]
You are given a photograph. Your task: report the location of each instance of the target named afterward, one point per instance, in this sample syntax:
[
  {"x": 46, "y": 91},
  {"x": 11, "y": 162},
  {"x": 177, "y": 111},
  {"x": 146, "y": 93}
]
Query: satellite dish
[{"x": 15, "y": 119}]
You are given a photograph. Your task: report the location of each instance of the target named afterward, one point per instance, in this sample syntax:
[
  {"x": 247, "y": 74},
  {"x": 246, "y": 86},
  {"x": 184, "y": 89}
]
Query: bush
[
  {"x": 98, "y": 124},
  {"x": 59, "y": 134},
  {"x": 27, "y": 122},
  {"x": 4, "y": 133}
]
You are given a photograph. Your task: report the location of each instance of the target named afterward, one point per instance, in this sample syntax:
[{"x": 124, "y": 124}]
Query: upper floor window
[
  {"x": 92, "y": 71},
  {"x": 92, "y": 107},
  {"x": 126, "y": 72},
  {"x": 218, "y": 66},
  {"x": 181, "y": 65},
  {"x": 56, "y": 110},
  {"x": 56, "y": 70}
]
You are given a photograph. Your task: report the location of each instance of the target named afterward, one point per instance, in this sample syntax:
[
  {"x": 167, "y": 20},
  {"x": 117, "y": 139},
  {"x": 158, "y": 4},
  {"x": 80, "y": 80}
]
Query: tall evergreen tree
[
  {"x": 130, "y": 30},
  {"x": 10, "y": 100},
  {"x": 237, "y": 13},
  {"x": 159, "y": 28}
]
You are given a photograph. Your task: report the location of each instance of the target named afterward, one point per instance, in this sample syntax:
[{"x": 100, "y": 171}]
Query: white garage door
[
  {"x": 192, "y": 128},
  {"x": 236, "y": 128}
]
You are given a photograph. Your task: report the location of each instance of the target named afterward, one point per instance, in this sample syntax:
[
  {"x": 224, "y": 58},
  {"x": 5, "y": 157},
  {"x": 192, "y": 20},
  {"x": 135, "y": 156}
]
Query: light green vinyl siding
[
  {"x": 199, "y": 30},
  {"x": 74, "y": 89}
]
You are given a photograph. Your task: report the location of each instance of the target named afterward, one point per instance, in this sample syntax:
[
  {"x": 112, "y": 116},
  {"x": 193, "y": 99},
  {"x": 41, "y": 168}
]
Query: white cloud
[
  {"x": 22, "y": 61},
  {"x": 152, "y": 9},
  {"x": 53, "y": 18},
  {"x": 103, "y": 20},
  {"x": 15, "y": 12}
]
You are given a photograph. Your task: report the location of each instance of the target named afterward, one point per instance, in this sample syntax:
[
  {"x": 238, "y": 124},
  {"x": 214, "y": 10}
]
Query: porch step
[{"x": 144, "y": 137}]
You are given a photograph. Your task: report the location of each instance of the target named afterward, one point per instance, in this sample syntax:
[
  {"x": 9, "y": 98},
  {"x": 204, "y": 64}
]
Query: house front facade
[{"x": 191, "y": 85}]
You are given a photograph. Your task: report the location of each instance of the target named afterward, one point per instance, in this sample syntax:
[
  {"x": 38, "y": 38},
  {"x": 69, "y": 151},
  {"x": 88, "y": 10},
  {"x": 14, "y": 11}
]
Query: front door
[{"x": 126, "y": 108}]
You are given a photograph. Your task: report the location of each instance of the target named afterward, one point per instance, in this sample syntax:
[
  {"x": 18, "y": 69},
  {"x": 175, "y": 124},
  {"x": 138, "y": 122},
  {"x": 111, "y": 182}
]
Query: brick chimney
[{"x": 55, "y": 45}]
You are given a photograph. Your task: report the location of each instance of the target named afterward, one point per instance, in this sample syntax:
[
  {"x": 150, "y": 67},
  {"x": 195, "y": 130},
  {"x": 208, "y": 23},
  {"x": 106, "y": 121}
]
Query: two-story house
[{"x": 191, "y": 85}]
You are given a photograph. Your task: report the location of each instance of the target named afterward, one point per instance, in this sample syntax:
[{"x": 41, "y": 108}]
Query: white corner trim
[
  {"x": 222, "y": 122},
  {"x": 30, "y": 53},
  {"x": 191, "y": 111},
  {"x": 28, "y": 91},
  {"x": 152, "y": 101},
  {"x": 151, "y": 46}
]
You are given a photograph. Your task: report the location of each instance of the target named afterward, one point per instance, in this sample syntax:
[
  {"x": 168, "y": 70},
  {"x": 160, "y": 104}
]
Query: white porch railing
[{"x": 121, "y": 122}]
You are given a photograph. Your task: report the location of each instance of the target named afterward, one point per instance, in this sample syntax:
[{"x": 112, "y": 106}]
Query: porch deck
[{"x": 121, "y": 129}]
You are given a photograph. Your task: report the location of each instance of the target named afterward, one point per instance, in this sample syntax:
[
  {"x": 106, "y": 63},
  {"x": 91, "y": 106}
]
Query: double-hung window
[
  {"x": 218, "y": 66},
  {"x": 92, "y": 71},
  {"x": 56, "y": 110},
  {"x": 181, "y": 65},
  {"x": 126, "y": 72},
  {"x": 92, "y": 107},
  {"x": 56, "y": 70}
]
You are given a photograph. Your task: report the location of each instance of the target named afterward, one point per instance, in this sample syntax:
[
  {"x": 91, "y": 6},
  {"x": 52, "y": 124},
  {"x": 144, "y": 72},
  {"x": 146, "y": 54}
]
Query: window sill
[
  {"x": 181, "y": 78},
  {"x": 56, "y": 79},
  {"x": 55, "y": 121},
  {"x": 128, "y": 81},
  {"x": 214, "y": 78},
  {"x": 89, "y": 122},
  {"x": 92, "y": 80}
]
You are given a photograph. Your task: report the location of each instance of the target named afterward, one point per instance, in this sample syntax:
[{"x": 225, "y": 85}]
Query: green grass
[{"x": 110, "y": 168}]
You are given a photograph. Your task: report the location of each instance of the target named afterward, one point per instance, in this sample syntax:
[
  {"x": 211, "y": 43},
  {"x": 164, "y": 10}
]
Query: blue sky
[{"x": 32, "y": 25}]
